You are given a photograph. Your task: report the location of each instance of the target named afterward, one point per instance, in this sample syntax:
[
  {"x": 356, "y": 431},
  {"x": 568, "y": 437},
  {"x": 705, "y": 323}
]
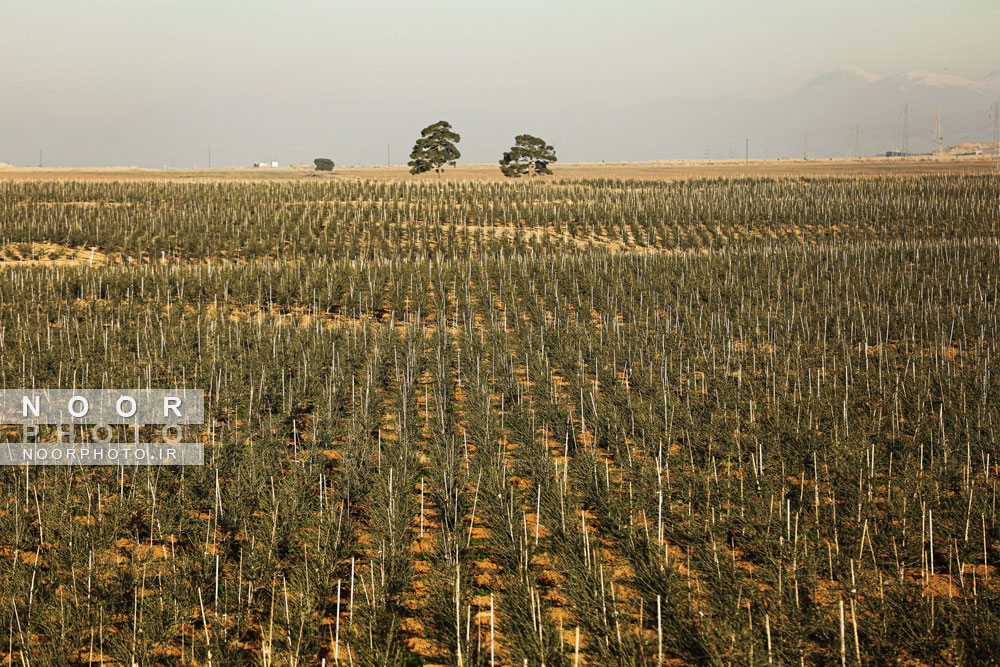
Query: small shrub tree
[{"x": 323, "y": 164}]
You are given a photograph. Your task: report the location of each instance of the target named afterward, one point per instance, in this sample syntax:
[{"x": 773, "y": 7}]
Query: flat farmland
[
  {"x": 669, "y": 170},
  {"x": 645, "y": 414}
]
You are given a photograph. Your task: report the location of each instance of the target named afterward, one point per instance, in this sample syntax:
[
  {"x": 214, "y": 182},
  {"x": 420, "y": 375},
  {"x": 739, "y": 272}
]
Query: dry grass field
[{"x": 658, "y": 170}]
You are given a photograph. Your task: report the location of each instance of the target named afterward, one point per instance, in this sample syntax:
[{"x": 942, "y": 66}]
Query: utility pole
[
  {"x": 857, "y": 140},
  {"x": 938, "y": 139},
  {"x": 895, "y": 145},
  {"x": 996, "y": 128},
  {"x": 805, "y": 147},
  {"x": 996, "y": 132},
  {"x": 748, "y": 151},
  {"x": 906, "y": 128}
]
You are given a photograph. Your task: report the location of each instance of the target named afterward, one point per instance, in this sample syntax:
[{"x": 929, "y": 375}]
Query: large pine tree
[
  {"x": 435, "y": 148},
  {"x": 528, "y": 156}
]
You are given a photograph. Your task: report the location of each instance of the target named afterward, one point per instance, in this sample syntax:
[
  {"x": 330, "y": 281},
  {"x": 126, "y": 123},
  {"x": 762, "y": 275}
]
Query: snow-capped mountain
[
  {"x": 847, "y": 111},
  {"x": 874, "y": 108},
  {"x": 945, "y": 88}
]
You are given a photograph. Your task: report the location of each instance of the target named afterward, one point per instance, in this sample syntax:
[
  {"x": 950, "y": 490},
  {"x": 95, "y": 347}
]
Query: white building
[{"x": 273, "y": 163}]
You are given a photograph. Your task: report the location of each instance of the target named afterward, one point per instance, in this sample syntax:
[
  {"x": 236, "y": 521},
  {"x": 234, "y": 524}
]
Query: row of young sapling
[
  {"x": 782, "y": 455},
  {"x": 158, "y": 222}
]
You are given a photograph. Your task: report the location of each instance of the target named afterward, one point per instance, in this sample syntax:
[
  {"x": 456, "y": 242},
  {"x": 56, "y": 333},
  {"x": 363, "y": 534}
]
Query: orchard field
[{"x": 595, "y": 422}]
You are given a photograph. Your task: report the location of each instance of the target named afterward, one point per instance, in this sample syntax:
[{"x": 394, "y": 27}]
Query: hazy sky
[{"x": 153, "y": 82}]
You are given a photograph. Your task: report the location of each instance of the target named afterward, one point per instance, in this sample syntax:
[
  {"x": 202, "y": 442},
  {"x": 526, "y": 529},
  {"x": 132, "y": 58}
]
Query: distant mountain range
[
  {"x": 848, "y": 111},
  {"x": 852, "y": 111},
  {"x": 905, "y": 83}
]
